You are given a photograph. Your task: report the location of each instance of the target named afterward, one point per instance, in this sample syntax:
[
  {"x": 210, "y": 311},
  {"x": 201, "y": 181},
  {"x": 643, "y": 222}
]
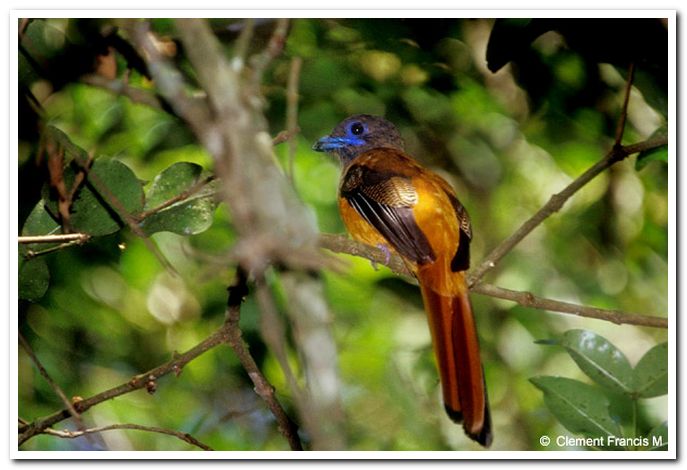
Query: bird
[{"x": 389, "y": 200}]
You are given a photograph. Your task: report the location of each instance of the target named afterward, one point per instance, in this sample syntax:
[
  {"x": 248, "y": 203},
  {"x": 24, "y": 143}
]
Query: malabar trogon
[{"x": 387, "y": 199}]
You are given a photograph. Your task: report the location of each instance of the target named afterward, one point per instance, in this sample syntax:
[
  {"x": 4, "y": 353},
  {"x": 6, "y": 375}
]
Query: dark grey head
[{"x": 357, "y": 134}]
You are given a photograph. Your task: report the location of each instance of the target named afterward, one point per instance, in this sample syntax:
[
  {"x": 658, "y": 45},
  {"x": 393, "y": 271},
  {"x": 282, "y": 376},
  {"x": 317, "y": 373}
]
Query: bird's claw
[{"x": 387, "y": 255}]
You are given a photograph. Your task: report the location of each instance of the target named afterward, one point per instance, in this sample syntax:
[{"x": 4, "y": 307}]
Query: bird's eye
[{"x": 357, "y": 128}]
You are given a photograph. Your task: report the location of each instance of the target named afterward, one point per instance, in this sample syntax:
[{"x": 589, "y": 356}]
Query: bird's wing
[{"x": 386, "y": 202}]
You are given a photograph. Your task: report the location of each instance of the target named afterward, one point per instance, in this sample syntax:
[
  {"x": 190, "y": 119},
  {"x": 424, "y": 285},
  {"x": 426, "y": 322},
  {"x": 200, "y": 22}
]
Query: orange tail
[{"x": 456, "y": 348}]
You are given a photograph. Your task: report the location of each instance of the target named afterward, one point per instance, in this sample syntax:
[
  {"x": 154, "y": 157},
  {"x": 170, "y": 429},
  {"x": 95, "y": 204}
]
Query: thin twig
[
  {"x": 620, "y": 129},
  {"x": 29, "y": 254},
  {"x": 56, "y": 238},
  {"x": 54, "y": 157},
  {"x": 243, "y": 41},
  {"x": 646, "y": 145},
  {"x": 182, "y": 196},
  {"x": 273, "y": 49},
  {"x": 56, "y": 388},
  {"x": 23, "y": 24},
  {"x": 169, "y": 82},
  {"x": 616, "y": 154},
  {"x": 265, "y": 207},
  {"x": 130, "y": 220},
  {"x": 556, "y": 202},
  {"x": 262, "y": 387},
  {"x": 284, "y": 136},
  {"x": 186, "y": 437},
  {"x": 274, "y": 333},
  {"x": 55, "y": 145},
  {"x": 228, "y": 333},
  {"x": 122, "y": 88},
  {"x": 140, "y": 381},
  {"x": 98, "y": 185},
  {"x": 342, "y": 244},
  {"x": 527, "y": 299}
]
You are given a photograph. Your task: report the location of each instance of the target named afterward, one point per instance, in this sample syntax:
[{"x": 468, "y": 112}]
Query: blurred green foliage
[{"x": 506, "y": 144}]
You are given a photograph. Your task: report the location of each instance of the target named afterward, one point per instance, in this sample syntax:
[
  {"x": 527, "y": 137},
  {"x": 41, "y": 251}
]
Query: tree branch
[
  {"x": 620, "y": 128},
  {"x": 140, "y": 381},
  {"x": 274, "y": 333},
  {"x": 120, "y": 87},
  {"x": 56, "y": 145},
  {"x": 555, "y": 203},
  {"x": 186, "y": 437},
  {"x": 262, "y": 387},
  {"x": 243, "y": 41},
  {"x": 341, "y": 244},
  {"x": 228, "y": 333},
  {"x": 265, "y": 208},
  {"x": 56, "y": 238},
  {"x": 527, "y": 299},
  {"x": 273, "y": 49},
  {"x": 616, "y": 154},
  {"x": 170, "y": 84},
  {"x": 58, "y": 390}
]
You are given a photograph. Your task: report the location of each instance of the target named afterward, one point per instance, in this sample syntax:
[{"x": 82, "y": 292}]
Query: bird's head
[{"x": 357, "y": 134}]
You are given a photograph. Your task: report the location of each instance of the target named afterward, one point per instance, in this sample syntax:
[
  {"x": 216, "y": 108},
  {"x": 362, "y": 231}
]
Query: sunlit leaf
[
  {"x": 184, "y": 195},
  {"x": 599, "y": 359},
  {"x": 651, "y": 372}
]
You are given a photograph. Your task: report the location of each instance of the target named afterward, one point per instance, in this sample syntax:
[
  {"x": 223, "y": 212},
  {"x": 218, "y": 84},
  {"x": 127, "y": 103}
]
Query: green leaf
[
  {"x": 659, "y": 154},
  {"x": 658, "y": 437},
  {"x": 621, "y": 407},
  {"x": 34, "y": 278},
  {"x": 112, "y": 192},
  {"x": 39, "y": 222},
  {"x": 580, "y": 407},
  {"x": 651, "y": 372},
  {"x": 600, "y": 360},
  {"x": 55, "y": 136},
  {"x": 109, "y": 195},
  {"x": 187, "y": 216}
]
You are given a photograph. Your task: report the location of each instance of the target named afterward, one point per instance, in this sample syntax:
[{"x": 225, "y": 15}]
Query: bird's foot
[{"x": 387, "y": 255}]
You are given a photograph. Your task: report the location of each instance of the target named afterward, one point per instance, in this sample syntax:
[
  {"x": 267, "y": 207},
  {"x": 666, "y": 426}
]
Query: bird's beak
[{"x": 329, "y": 143}]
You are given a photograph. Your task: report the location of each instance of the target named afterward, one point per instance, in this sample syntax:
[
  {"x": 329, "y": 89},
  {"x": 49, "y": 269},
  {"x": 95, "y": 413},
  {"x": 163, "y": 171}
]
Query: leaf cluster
[{"x": 601, "y": 410}]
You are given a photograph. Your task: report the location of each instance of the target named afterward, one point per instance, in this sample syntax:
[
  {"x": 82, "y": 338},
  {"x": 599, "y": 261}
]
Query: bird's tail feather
[{"x": 456, "y": 348}]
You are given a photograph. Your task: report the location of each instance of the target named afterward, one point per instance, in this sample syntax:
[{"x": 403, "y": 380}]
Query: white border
[
  {"x": 373, "y": 455},
  {"x": 339, "y": 13}
]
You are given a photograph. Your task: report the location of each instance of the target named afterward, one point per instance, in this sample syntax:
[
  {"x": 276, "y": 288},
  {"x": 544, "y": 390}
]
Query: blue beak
[{"x": 329, "y": 143}]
